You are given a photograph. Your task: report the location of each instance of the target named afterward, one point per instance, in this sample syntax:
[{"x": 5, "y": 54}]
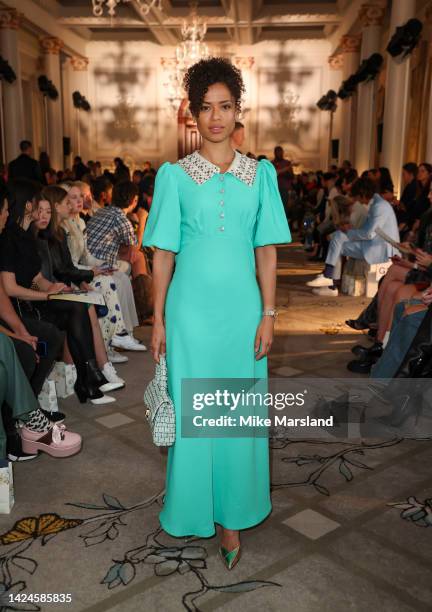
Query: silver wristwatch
[{"x": 270, "y": 313}]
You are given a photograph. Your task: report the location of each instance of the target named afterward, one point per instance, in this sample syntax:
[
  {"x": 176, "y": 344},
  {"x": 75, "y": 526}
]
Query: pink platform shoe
[{"x": 56, "y": 442}]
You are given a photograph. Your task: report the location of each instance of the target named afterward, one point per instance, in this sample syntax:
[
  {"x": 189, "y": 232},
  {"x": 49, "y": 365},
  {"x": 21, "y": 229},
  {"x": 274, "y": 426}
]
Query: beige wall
[{"x": 131, "y": 115}]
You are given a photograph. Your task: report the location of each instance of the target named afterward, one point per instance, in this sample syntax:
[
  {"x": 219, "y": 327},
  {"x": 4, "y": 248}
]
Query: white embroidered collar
[{"x": 201, "y": 169}]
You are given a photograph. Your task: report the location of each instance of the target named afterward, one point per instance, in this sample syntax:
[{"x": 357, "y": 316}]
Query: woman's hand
[
  {"x": 85, "y": 286},
  {"x": 403, "y": 263},
  {"x": 423, "y": 258},
  {"x": 158, "y": 340},
  {"x": 57, "y": 288},
  {"x": 264, "y": 337},
  {"x": 31, "y": 340},
  {"x": 102, "y": 271},
  {"x": 427, "y": 296}
]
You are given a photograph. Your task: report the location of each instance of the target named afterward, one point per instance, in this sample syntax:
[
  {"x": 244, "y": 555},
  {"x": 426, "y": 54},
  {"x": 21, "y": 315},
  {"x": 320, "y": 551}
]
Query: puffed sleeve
[
  {"x": 162, "y": 229},
  {"x": 271, "y": 224}
]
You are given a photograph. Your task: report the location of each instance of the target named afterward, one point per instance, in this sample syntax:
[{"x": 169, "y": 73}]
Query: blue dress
[{"x": 213, "y": 222}]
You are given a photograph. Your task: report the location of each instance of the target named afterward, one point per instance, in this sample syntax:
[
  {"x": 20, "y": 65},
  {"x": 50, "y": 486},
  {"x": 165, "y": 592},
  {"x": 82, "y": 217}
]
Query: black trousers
[
  {"x": 72, "y": 318},
  {"x": 54, "y": 339}
]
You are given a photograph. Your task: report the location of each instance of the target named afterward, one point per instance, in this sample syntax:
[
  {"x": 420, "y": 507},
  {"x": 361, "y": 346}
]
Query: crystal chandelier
[
  {"x": 188, "y": 52},
  {"x": 144, "y": 6},
  {"x": 192, "y": 48}
]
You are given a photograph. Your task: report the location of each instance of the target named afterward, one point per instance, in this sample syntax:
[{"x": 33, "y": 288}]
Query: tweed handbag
[{"x": 160, "y": 408}]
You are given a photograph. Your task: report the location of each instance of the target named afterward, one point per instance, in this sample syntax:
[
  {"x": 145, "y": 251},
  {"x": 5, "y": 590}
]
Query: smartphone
[{"x": 42, "y": 348}]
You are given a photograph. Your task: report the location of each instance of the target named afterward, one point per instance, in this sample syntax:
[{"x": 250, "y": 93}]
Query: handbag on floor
[
  {"x": 7, "y": 498},
  {"x": 160, "y": 408}
]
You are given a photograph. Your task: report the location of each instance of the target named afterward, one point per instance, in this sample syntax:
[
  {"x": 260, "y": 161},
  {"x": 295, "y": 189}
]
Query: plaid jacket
[{"x": 107, "y": 230}]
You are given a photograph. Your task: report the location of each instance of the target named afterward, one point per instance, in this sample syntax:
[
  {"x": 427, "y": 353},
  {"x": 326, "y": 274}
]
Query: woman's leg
[
  {"x": 127, "y": 301},
  {"x": 73, "y": 318},
  {"x": 54, "y": 338},
  {"x": 113, "y": 322},
  {"x": 386, "y": 302},
  {"x": 98, "y": 341}
]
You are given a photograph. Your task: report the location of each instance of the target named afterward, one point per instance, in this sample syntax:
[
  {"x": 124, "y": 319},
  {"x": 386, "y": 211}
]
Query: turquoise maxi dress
[{"x": 213, "y": 222}]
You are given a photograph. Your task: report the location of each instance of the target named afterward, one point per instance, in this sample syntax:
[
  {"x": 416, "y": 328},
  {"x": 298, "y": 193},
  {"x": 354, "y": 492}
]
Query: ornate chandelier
[
  {"x": 144, "y": 6},
  {"x": 190, "y": 50}
]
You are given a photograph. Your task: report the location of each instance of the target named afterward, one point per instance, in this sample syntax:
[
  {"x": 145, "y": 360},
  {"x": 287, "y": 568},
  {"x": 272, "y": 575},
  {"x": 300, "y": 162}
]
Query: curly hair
[{"x": 207, "y": 72}]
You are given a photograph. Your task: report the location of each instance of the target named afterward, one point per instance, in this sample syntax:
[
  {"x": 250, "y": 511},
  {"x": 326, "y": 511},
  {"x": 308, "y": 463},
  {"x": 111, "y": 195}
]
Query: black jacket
[
  {"x": 26, "y": 167},
  {"x": 61, "y": 263}
]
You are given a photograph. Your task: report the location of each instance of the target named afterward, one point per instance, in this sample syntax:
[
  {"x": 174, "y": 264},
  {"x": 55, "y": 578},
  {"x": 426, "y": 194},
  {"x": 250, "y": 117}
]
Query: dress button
[
  {"x": 221, "y": 202},
  {"x": 222, "y": 191},
  {"x": 222, "y": 215},
  {"x": 221, "y": 178},
  {"x": 221, "y": 229}
]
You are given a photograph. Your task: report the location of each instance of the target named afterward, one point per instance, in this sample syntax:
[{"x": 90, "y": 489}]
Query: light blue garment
[
  {"x": 213, "y": 222},
  {"x": 380, "y": 216}
]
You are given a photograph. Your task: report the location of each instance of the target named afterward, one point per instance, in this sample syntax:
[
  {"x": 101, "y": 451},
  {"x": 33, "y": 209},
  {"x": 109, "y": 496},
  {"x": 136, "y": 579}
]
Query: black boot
[
  {"x": 375, "y": 351},
  {"x": 89, "y": 379}
]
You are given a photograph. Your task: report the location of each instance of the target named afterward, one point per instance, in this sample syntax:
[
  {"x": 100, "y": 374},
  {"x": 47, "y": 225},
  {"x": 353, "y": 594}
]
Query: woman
[
  {"x": 421, "y": 203},
  {"x": 210, "y": 211},
  {"x": 52, "y": 209},
  {"x": 116, "y": 288},
  {"x": 20, "y": 267},
  {"x": 401, "y": 282}
]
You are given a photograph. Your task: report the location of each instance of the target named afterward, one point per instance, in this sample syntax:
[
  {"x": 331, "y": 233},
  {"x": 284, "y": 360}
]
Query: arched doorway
[{"x": 189, "y": 138}]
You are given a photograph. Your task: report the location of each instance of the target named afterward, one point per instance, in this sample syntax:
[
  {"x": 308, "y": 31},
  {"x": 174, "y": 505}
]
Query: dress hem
[{"x": 210, "y": 534}]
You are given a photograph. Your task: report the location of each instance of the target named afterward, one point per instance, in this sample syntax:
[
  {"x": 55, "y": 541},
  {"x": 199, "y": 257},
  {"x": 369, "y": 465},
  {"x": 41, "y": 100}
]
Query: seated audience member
[
  {"x": 24, "y": 166},
  {"x": 117, "y": 327},
  {"x": 102, "y": 192},
  {"x": 37, "y": 432},
  {"x": 20, "y": 267},
  {"x": 121, "y": 172},
  {"x": 421, "y": 202},
  {"x": 362, "y": 243},
  {"x": 79, "y": 169},
  {"x": 409, "y": 194},
  {"x": 238, "y": 136},
  {"x": 25, "y": 330},
  {"x": 404, "y": 280},
  {"x": 109, "y": 230},
  {"x": 52, "y": 209},
  {"x": 49, "y": 175},
  {"x": 111, "y": 239}
]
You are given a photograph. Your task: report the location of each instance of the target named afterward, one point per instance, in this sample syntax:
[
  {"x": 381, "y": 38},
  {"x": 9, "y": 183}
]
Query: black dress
[{"x": 19, "y": 255}]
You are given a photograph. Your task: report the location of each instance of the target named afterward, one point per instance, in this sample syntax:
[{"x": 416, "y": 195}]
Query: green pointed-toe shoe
[{"x": 230, "y": 558}]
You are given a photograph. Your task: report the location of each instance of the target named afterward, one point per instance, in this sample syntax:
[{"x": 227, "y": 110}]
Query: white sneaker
[
  {"x": 320, "y": 281},
  {"x": 326, "y": 291},
  {"x": 105, "y": 399},
  {"x": 111, "y": 375},
  {"x": 116, "y": 357},
  {"x": 127, "y": 343}
]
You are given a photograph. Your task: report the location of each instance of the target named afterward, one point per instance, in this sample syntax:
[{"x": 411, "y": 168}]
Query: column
[
  {"x": 396, "y": 99},
  {"x": 13, "y": 122},
  {"x": 371, "y": 16},
  {"x": 428, "y": 33},
  {"x": 78, "y": 81},
  {"x": 51, "y": 47},
  {"x": 350, "y": 46},
  {"x": 335, "y": 63}
]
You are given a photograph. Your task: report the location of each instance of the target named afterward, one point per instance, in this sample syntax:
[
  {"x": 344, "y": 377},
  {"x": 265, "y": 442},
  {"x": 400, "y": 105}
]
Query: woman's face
[
  {"x": 43, "y": 215},
  {"x": 216, "y": 119},
  {"x": 423, "y": 174},
  {"x": 63, "y": 208},
  {"x": 75, "y": 200},
  {"x": 4, "y": 214}
]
